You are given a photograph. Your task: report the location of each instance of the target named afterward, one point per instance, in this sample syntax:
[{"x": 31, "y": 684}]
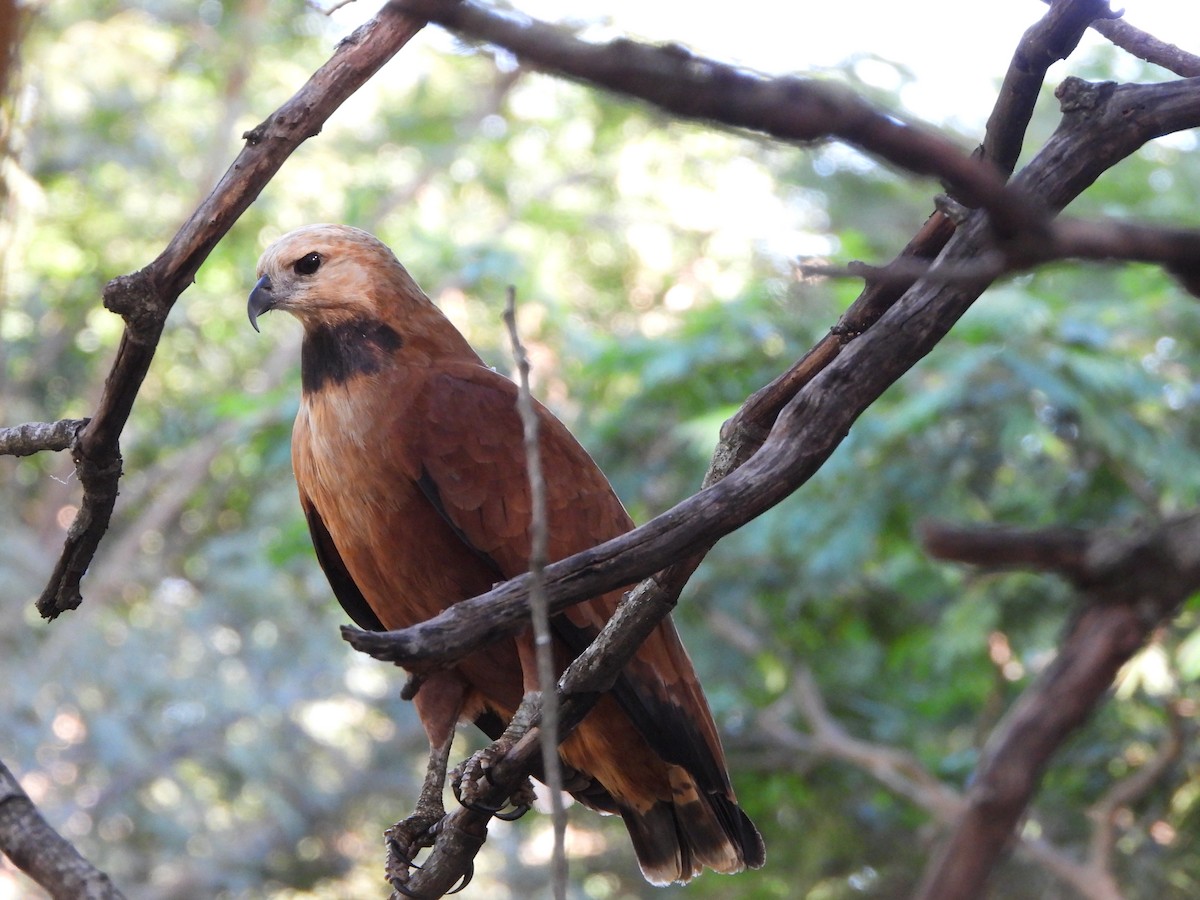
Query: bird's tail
[{"x": 676, "y": 840}]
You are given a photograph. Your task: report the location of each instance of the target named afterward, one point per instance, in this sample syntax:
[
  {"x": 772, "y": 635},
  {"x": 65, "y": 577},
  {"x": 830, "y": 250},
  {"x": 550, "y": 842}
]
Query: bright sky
[{"x": 956, "y": 49}]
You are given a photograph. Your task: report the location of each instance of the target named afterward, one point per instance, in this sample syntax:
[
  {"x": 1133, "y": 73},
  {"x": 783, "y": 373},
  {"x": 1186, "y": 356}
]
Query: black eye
[{"x": 308, "y": 264}]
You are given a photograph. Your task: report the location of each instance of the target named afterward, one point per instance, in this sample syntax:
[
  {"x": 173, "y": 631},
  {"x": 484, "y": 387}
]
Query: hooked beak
[{"x": 262, "y": 299}]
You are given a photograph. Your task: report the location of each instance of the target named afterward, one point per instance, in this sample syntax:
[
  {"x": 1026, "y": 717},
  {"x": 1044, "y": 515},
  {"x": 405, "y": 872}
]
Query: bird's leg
[
  {"x": 471, "y": 780},
  {"x": 438, "y": 702}
]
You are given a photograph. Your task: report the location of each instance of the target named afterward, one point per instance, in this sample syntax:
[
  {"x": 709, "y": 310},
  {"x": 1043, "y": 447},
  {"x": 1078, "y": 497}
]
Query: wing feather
[
  {"x": 484, "y": 494},
  {"x": 343, "y": 584}
]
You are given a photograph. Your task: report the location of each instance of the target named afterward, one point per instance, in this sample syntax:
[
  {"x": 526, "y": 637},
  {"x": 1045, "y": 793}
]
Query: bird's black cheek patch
[{"x": 336, "y": 353}]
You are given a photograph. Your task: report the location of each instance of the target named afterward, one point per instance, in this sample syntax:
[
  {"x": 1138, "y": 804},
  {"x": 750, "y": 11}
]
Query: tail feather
[{"x": 676, "y": 840}]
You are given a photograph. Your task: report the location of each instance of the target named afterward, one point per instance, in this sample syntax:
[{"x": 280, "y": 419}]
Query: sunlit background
[{"x": 199, "y": 729}]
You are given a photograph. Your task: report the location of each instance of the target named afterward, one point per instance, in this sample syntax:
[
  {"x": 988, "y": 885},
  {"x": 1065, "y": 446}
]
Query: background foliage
[{"x": 198, "y": 727}]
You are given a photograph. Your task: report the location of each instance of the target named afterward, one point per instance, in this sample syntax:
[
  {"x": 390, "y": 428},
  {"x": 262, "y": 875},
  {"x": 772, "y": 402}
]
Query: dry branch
[
  {"x": 1148, "y": 47},
  {"x": 36, "y": 437},
  {"x": 1099, "y": 129},
  {"x": 539, "y": 614},
  {"x": 788, "y": 108},
  {"x": 1174, "y": 249},
  {"x": 1135, "y": 582},
  {"x": 1052, "y": 38},
  {"x": 144, "y": 299},
  {"x": 42, "y": 853}
]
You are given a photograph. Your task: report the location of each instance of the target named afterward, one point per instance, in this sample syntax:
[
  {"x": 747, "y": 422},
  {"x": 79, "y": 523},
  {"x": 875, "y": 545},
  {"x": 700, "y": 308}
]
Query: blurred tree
[{"x": 198, "y": 729}]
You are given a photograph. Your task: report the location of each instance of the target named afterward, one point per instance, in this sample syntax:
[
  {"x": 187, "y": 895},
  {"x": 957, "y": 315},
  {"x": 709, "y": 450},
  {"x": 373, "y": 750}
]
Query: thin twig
[
  {"x": 538, "y": 607},
  {"x": 1104, "y": 812},
  {"x": 1146, "y": 46}
]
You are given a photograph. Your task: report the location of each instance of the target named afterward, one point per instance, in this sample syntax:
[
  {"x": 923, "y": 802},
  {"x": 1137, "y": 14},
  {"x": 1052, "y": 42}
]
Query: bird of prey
[{"x": 409, "y": 458}]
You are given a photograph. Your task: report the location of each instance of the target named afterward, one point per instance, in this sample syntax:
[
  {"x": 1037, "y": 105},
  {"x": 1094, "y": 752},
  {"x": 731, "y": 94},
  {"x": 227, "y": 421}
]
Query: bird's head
[{"x": 328, "y": 274}]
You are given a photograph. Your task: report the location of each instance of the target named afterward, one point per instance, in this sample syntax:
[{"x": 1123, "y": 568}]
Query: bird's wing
[
  {"x": 472, "y": 459},
  {"x": 344, "y": 588}
]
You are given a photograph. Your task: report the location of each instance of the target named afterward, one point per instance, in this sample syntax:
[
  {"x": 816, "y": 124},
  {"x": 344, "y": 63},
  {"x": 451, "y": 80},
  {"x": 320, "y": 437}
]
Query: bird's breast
[{"x": 353, "y": 462}]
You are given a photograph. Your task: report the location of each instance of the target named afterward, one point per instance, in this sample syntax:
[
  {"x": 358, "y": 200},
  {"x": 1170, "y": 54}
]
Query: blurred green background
[{"x": 199, "y": 729}]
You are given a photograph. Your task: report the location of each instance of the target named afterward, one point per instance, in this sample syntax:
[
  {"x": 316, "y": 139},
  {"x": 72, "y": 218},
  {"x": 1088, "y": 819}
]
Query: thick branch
[
  {"x": 1175, "y": 249},
  {"x": 1061, "y": 550},
  {"x": 42, "y": 853},
  {"x": 1140, "y": 580},
  {"x": 788, "y": 108},
  {"x": 1097, "y": 131},
  {"x": 1056, "y": 34},
  {"x": 145, "y": 297}
]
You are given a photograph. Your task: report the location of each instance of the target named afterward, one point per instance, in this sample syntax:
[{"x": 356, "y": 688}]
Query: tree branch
[
  {"x": 42, "y": 853},
  {"x": 788, "y": 108},
  {"x": 1052, "y": 38},
  {"x": 1097, "y": 131},
  {"x": 1135, "y": 582},
  {"x": 144, "y": 299},
  {"x": 1131, "y": 788},
  {"x": 899, "y": 771},
  {"x": 35, "y": 437},
  {"x": 1175, "y": 249},
  {"x": 542, "y": 635},
  {"x": 1147, "y": 47}
]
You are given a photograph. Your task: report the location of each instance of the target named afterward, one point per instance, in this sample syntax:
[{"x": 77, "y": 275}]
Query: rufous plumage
[{"x": 409, "y": 460}]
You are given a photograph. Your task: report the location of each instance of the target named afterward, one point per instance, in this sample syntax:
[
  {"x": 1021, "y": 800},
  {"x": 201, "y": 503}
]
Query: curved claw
[
  {"x": 399, "y": 888},
  {"x": 466, "y": 879},
  {"x": 512, "y": 816},
  {"x": 516, "y": 813},
  {"x": 404, "y": 858},
  {"x": 475, "y": 807}
]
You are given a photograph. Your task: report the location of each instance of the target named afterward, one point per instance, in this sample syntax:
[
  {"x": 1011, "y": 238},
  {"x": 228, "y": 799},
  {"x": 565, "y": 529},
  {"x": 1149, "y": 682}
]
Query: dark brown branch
[
  {"x": 1055, "y": 34},
  {"x": 788, "y": 108},
  {"x": 1097, "y": 131},
  {"x": 1051, "y": 39},
  {"x": 592, "y": 673},
  {"x": 36, "y": 437},
  {"x": 145, "y": 297},
  {"x": 1138, "y": 581},
  {"x": 1175, "y": 249},
  {"x": 1062, "y": 550},
  {"x": 42, "y": 853}
]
